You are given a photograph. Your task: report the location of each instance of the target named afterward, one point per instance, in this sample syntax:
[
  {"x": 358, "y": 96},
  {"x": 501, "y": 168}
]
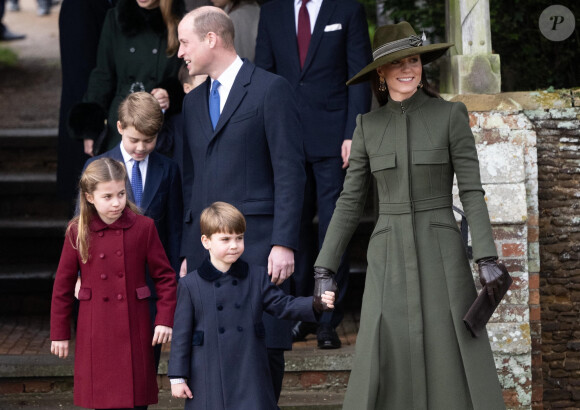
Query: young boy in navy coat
[{"x": 218, "y": 352}]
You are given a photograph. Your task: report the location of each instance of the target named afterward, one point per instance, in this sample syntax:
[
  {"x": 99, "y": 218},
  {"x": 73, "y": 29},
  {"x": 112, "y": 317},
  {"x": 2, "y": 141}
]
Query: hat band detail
[{"x": 397, "y": 45}]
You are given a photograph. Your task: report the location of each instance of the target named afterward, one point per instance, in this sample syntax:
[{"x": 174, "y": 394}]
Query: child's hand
[
  {"x": 77, "y": 287},
  {"x": 162, "y": 334},
  {"x": 183, "y": 269},
  {"x": 181, "y": 391},
  {"x": 328, "y": 298},
  {"x": 59, "y": 348}
]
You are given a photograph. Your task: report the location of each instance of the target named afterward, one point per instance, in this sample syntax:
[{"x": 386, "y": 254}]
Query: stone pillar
[{"x": 471, "y": 68}]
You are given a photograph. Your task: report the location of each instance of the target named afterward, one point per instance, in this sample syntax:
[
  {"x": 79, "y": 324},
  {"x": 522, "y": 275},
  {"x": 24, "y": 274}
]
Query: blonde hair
[
  {"x": 100, "y": 170},
  {"x": 142, "y": 111},
  {"x": 221, "y": 217},
  {"x": 171, "y": 21}
]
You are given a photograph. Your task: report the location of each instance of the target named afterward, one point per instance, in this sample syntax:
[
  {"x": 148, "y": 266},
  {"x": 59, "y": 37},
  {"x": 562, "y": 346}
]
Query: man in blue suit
[
  {"x": 317, "y": 45},
  {"x": 242, "y": 145}
]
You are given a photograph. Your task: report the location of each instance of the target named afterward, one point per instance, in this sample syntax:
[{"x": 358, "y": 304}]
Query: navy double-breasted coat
[
  {"x": 114, "y": 365},
  {"x": 218, "y": 342}
]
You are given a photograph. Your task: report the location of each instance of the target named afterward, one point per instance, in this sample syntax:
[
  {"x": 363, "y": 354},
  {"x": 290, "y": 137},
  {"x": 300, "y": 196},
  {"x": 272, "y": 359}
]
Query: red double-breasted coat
[{"x": 114, "y": 364}]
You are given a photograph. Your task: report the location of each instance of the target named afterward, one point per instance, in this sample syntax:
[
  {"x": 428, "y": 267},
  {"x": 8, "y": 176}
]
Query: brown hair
[
  {"x": 221, "y": 217},
  {"x": 383, "y": 96},
  {"x": 100, "y": 170},
  {"x": 206, "y": 19},
  {"x": 171, "y": 22},
  {"x": 142, "y": 111}
]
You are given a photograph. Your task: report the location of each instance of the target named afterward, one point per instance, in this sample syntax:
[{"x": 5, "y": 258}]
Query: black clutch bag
[{"x": 481, "y": 310}]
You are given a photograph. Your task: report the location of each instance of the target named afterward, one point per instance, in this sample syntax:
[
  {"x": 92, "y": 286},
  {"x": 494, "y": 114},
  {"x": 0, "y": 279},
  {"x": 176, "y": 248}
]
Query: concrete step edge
[
  {"x": 27, "y": 177},
  {"x": 25, "y": 223},
  {"x": 28, "y": 133}
]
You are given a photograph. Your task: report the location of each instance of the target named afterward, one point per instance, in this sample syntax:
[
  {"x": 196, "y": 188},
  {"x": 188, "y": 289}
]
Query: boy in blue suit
[
  {"x": 218, "y": 351},
  {"x": 155, "y": 185}
]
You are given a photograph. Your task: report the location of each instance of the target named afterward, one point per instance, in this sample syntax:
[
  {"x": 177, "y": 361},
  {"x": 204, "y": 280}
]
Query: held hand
[
  {"x": 88, "y": 145},
  {"x": 345, "y": 152},
  {"x": 77, "y": 287},
  {"x": 162, "y": 96},
  {"x": 59, "y": 348},
  {"x": 328, "y": 298},
  {"x": 490, "y": 273},
  {"x": 183, "y": 269},
  {"x": 181, "y": 391},
  {"x": 162, "y": 335},
  {"x": 280, "y": 264},
  {"x": 323, "y": 282}
]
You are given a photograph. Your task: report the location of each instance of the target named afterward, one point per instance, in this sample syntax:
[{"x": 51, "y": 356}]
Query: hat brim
[{"x": 428, "y": 54}]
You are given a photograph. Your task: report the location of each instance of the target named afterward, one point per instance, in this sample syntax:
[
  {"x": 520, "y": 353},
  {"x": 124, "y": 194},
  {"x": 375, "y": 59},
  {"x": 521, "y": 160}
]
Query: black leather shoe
[
  {"x": 303, "y": 329},
  {"x": 7, "y": 35},
  {"x": 327, "y": 337}
]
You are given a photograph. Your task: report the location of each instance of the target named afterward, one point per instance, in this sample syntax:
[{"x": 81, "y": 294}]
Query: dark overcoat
[
  {"x": 218, "y": 344},
  {"x": 253, "y": 160},
  {"x": 131, "y": 57},
  {"x": 413, "y": 350},
  {"x": 114, "y": 364}
]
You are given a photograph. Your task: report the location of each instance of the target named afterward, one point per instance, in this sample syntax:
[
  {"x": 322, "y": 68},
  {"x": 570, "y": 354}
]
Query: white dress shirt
[
  {"x": 227, "y": 81},
  {"x": 313, "y": 7},
  {"x": 129, "y": 162}
]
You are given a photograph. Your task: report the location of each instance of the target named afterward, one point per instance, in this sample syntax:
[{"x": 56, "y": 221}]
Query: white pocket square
[{"x": 333, "y": 27}]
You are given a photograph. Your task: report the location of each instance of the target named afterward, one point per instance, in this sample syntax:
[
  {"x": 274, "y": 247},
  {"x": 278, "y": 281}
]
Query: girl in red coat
[{"x": 111, "y": 245}]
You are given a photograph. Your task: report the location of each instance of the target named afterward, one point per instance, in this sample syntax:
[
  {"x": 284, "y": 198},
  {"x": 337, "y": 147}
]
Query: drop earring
[
  {"x": 382, "y": 84},
  {"x": 420, "y": 85}
]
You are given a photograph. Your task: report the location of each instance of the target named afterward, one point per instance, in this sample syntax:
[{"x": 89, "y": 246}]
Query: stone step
[{"x": 28, "y": 150}]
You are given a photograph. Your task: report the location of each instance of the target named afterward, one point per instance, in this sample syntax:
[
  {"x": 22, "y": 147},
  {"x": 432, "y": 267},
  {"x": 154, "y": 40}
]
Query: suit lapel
[
  {"x": 288, "y": 25},
  {"x": 202, "y": 111},
  {"x": 326, "y": 10},
  {"x": 117, "y": 155},
  {"x": 236, "y": 95},
  {"x": 153, "y": 180}
]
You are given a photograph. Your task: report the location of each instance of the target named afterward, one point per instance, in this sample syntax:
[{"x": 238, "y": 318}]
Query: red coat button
[
  {"x": 102, "y": 255},
  {"x": 105, "y": 298},
  {"x": 120, "y": 274},
  {"x": 100, "y": 234},
  {"x": 103, "y": 276},
  {"x": 119, "y": 253},
  {"x": 118, "y": 232},
  {"x": 119, "y": 297}
]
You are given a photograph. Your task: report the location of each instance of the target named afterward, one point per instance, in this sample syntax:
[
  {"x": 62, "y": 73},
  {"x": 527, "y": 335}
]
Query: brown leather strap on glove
[
  {"x": 323, "y": 281},
  {"x": 490, "y": 272}
]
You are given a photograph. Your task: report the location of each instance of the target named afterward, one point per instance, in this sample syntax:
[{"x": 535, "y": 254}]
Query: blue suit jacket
[
  {"x": 253, "y": 160},
  {"x": 162, "y": 200},
  {"x": 339, "y": 48}
]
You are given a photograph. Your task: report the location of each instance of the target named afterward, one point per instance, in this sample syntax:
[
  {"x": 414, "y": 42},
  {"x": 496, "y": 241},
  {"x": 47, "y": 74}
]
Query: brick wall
[{"x": 559, "y": 176}]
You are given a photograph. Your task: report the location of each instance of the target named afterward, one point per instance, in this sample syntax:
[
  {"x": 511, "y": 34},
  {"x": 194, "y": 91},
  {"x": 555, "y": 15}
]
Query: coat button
[
  {"x": 235, "y": 282},
  {"x": 217, "y": 284},
  {"x": 102, "y": 255},
  {"x": 100, "y": 234},
  {"x": 221, "y": 330},
  {"x": 119, "y": 297},
  {"x": 118, "y": 232},
  {"x": 120, "y": 274},
  {"x": 240, "y": 329},
  {"x": 154, "y": 51},
  {"x": 105, "y": 298},
  {"x": 220, "y": 307},
  {"x": 119, "y": 253},
  {"x": 132, "y": 50},
  {"x": 103, "y": 276}
]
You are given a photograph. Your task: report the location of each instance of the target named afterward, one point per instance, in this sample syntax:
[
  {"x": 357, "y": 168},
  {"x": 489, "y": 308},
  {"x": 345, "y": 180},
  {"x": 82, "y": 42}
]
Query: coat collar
[
  {"x": 410, "y": 104},
  {"x": 208, "y": 272},
  {"x": 126, "y": 220},
  {"x": 134, "y": 19}
]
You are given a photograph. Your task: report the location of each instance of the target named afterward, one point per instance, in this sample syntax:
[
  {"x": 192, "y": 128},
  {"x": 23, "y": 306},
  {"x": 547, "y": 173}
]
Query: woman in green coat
[
  {"x": 413, "y": 350},
  {"x": 137, "y": 52}
]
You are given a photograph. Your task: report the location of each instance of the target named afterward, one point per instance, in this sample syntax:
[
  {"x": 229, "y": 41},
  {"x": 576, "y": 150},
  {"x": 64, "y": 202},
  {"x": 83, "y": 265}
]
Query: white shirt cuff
[{"x": 176, "y": 381}]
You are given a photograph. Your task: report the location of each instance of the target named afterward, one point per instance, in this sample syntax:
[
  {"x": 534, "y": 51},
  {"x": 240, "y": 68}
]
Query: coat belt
[{"x": 417, "y": 205}]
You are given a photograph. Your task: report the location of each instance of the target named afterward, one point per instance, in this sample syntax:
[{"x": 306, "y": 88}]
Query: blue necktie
[
  {"x": 214, "y": 103},
  {"x": 137, "y": 183}
]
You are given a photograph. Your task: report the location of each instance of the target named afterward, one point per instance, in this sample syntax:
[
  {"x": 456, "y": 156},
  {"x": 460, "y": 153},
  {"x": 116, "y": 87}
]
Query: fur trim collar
[{"x": 208, "y": 272}]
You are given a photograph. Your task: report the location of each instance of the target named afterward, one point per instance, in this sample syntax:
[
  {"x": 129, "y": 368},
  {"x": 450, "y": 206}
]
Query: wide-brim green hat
[{"x": 397, "y": 41}]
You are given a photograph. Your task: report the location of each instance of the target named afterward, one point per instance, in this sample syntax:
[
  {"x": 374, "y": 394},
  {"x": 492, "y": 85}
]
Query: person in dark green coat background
[
  {"x": 413, "y": 350},
  {"x": 137, "y": 52}
]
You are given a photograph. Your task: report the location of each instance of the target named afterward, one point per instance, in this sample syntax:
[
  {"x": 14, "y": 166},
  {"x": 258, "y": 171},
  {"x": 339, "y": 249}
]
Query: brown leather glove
[
  {"x": 490, "y": 272},
  {"x": 323, "y": 281}
]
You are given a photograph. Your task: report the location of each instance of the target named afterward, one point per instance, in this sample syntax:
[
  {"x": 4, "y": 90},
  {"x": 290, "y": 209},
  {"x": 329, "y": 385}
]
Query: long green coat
[{"x": 413, "y": 350}]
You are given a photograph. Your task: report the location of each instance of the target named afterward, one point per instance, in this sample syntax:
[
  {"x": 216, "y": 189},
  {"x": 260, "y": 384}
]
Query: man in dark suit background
[
  {"x": 242, "y": 145},
  {"x": 317, "y": 45}
]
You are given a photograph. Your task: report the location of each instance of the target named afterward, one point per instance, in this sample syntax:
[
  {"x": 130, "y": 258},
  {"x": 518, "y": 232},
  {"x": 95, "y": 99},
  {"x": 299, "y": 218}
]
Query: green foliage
[
  {"x": 8, "y": 58},
  {"x": 529, "y": 61}
]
